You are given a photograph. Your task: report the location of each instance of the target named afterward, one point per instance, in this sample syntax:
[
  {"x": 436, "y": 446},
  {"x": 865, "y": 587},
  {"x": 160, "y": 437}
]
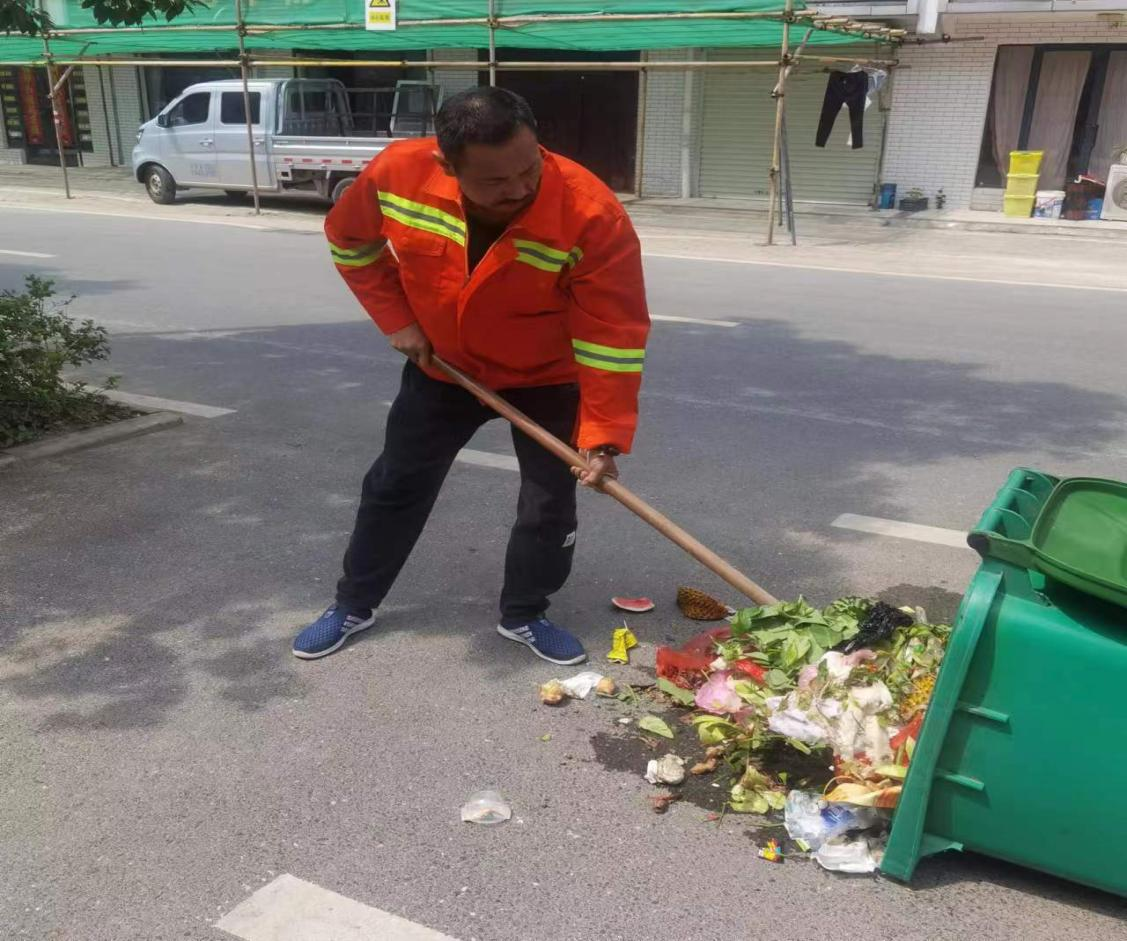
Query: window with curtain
[
  {"x": 1059, "y": 87},
  {"x": 1111, "y": 137}
]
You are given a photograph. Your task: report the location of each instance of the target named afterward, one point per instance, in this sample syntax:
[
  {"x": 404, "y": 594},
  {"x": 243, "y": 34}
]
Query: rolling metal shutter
[{"x": 738, "y": 121}]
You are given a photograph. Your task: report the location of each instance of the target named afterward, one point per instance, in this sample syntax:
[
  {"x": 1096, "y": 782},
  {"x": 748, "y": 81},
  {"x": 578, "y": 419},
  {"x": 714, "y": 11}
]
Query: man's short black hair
[{"x": 480, "y": 116}]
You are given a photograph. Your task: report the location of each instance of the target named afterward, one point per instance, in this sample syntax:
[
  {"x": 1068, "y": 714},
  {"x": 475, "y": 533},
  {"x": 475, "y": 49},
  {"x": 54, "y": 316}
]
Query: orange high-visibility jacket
[{"x": 558, "y": 298}]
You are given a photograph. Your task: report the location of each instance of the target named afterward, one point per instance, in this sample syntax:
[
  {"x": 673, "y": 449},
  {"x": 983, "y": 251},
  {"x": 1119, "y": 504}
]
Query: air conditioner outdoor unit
[{"x": 1115, "y": 197}]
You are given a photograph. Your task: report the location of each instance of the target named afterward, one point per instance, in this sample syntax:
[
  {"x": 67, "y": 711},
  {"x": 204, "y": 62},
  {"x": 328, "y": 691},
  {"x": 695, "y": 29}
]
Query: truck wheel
[
  {"x": 342, "y": 185},
  {"x": 160, "y": 185},
  {"x": 235, "y": 196}
]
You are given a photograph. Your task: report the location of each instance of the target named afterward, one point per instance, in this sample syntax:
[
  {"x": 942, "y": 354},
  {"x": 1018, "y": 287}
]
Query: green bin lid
[{"x": 1072, "y": 530}]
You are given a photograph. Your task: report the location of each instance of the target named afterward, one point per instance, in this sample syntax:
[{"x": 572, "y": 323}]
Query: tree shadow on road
[
  {"x": 189, "y": 559},
  {"x": 226, "y": 515}
]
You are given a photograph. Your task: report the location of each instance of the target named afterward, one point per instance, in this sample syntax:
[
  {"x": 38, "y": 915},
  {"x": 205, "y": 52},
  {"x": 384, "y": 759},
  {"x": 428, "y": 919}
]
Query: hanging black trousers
[
  {"x": 843, "y": 88},
  {"x": 429, "y": 422}
]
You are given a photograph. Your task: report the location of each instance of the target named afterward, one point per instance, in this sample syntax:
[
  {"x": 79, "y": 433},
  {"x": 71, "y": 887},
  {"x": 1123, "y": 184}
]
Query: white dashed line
[
  {"x": 707, "y": 323},
  {"x": 915, "y": 531},
  {"x": 165, "y": 405},
  {"x": 291, "y": 909},
  {"x": 488, "y": 459},
  {"x": 146, "y": 217},
  {"x": 11, "y": 251}
]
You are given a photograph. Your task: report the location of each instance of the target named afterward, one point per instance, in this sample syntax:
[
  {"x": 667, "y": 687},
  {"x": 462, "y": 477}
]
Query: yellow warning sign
[{"x": 379, "y": 14}]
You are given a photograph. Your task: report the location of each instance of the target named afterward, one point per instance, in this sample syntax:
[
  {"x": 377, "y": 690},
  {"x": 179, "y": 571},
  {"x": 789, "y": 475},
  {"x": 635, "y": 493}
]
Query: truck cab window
[
  {"x": 231, "y": 109},
  {"x": 192, "y": 110}
]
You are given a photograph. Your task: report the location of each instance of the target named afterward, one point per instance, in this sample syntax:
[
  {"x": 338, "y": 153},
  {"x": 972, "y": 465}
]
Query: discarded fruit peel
[
  {"x": 698, "y": 606},
  {"x": 633, "y": 605}
]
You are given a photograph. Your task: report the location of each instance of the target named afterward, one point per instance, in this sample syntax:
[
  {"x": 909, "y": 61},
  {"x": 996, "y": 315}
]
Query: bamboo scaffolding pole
[
  {"x": 56, "y": 115},
  {"x": 492, "y": 45},
  {"x": 640, "y": 142},
  {"x": 632, "y": 66},
  {"x": 501, "y": 22},
  {"x": 244, "y": 69},
  {"x": 776, "y": 144}
]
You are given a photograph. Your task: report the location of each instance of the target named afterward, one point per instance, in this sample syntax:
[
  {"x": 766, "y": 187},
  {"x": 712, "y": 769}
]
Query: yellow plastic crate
[
  {"x": 1022, "y": 184},
  {"x": 1026, "y": 161},
  {"x": 1020, "y": 207}
]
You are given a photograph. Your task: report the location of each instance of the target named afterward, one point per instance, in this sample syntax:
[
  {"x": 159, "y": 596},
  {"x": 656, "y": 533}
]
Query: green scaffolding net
[{"x": 326, "y": 25}]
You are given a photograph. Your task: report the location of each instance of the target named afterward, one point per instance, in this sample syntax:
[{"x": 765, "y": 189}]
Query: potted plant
[{"x": 913, "y": 201}]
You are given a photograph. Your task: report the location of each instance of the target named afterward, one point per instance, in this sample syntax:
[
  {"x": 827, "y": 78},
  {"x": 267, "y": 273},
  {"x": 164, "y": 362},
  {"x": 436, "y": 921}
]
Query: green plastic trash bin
[{"x": 1021, "y": 755}]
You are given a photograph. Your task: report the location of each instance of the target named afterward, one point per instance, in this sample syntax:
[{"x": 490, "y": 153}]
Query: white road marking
[
  {"x": 916, "y": 531},
  {"x": 12, "y": 251},
  {"x": 707, "y": 323},
  {"x": 488, "y": 459},
  {"x": 291, "y": 909},
  {"x": 166, "y": 405},
  {"x": 884, "y": 273}
]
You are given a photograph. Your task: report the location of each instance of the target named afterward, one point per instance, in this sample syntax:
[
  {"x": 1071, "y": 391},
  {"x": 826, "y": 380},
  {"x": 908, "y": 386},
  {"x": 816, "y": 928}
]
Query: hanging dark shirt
[{"x": 481, "y": 236}]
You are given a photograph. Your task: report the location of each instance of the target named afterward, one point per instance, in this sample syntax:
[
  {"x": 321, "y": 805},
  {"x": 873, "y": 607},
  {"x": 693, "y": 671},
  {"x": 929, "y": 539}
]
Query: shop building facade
[
  {"x": 1053, "y": 81},
  {"x": 1011, "y": 78}
]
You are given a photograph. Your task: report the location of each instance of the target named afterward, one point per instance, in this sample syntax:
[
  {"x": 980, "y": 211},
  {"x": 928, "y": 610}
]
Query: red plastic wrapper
[
  {"x": 688, "y": 665},
  {"x": 751, "y": 669}
]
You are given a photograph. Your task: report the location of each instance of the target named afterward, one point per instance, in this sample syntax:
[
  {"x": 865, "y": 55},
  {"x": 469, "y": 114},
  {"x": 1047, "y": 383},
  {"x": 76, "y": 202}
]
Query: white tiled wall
[
  {"x": 939, "y": 102},
  {"x": 665, "y": 97},
  {"x": 452, "y": 81}
]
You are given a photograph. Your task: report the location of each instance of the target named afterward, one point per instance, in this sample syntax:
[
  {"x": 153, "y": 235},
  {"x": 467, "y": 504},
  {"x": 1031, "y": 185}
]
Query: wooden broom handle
[{"x": 627, "y": 498}]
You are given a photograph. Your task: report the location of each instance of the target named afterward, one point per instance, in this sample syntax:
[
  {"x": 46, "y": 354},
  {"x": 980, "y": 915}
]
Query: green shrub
[{"x": 38, "y": 340}]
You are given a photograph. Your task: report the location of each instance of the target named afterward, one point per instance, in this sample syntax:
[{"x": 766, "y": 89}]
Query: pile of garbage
[
  {"x": 829, "y": 699},
  {"x": 848, "y": 683}
]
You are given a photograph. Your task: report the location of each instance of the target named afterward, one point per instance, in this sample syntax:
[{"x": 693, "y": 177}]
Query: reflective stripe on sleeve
[
  {"x": 608, "y": 358},
  {"x": 544, "y": 256},
  {"x": 359, "y": 257},
  {"x": 421, "y": 216}
]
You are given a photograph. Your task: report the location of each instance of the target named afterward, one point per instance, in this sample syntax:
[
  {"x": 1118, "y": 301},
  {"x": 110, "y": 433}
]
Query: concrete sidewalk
[
  {"x": 746, "y": 216},
  {"x": 846, "y": 240}
]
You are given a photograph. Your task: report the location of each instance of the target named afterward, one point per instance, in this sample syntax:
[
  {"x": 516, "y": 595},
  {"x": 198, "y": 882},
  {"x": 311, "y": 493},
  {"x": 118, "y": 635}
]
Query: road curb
[{"x": 89, "y": 438}]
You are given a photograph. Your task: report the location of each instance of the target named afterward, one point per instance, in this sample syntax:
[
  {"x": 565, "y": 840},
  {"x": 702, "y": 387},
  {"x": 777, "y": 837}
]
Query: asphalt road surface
[{"x": 165, "y": 757}]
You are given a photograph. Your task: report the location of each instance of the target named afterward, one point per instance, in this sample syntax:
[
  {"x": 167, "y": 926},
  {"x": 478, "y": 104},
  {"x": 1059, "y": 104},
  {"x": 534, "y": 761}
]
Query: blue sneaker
[
  {"x": 330, "y": 631},
  {"x": 547, "y": 641}
]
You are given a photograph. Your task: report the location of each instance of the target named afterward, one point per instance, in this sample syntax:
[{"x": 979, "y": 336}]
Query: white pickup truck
[{"x": 304, "y": 137}]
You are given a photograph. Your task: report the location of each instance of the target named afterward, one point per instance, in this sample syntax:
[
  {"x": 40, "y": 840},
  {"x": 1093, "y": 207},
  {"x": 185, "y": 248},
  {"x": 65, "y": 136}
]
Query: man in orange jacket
[{"x": 521, "y": 268}]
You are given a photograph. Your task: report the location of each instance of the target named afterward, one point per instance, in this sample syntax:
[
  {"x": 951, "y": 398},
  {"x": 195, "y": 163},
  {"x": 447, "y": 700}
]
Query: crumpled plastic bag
[
  {"x": 812, "y": 819},
  {"x": 859, "y": 729},
  {"x": 845, "y": 855},
  {"x": 811, "y": 725},
  {"x": 486, "y": 807},
  {"x": 581, "y": 684},
  {"x": 838, "y": 666},
  {"x": 851, "y": 725}
]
